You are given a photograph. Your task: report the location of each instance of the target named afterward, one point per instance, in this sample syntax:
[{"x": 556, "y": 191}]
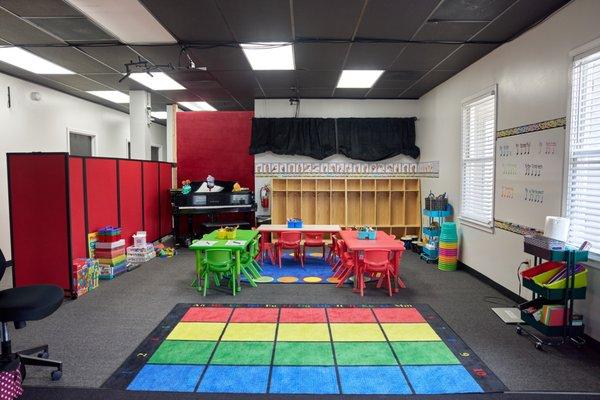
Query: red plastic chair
[
  {"x": 266, "y": 246},
  {"x": 376, "y": 262},
  {"x": 345, "y": 266},
  {"x": 331, "y": 257},
  {"x": 290, "y": 241},
  {"x": 313, "y": 240}
]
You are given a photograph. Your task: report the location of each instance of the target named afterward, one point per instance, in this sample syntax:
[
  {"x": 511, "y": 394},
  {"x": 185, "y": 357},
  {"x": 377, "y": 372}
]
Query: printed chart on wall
[{"x": 529, "y": 170}]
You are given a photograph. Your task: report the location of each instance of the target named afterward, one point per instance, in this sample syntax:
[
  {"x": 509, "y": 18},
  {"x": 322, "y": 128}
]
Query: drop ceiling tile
[
  {"x": 471, "y": 10},
  {"x": 72, "y": 29},
  {"x": 317, "y": 79},
  {"x": 258, "y": 20},
  {"x": 372, "y": 55},
  {"x": 40, "y": 8},
  {"x": 383, "y": 93},
  {"x": 187, "y": 76},
  {"x": 398, "y": 79},
  {"x": 422, "y": 56},
  {"x": 114, "y": 56},
  {"x": 320, "y": 56},
  {"x": 71, "y": 58},
  {"x": 222, "y": 58},
  {"x": 466, "y": 55},
  {"x": 79, "y": 82},
  {"x": 190, "y": 20},
  {"x": 161, "y": 55},
  {"x": 276, "y": 79},
  {"x": 274, "y": 93},
  {"x": 451, "y": 31},
  {"x": 518, "y": 18},
  {"x": 428, "y": 82},
  {"x": 316, "y": 92},
  {"x": 394, "y": 19},
  {"x": 236, "y": 80},
  {"x": 180, "y": 95},
  {"x": 19, "y": 32},
  {"x": 112, "y": 80},
  {"x": 350, "y": 93},
  {"x": 313, "y": 18}
]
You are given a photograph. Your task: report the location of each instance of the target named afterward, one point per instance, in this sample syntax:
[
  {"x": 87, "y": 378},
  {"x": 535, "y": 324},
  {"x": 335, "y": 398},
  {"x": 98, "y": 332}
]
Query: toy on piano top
[
  {"x": 85, "y": 276},
  {"x": 186, "y": 186},
  {"x": 366, "y": 233}
]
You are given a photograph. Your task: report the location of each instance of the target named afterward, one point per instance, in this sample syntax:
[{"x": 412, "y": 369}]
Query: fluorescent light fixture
[
  {"x": 359, "y": 79},
  {"x": 269, "y": 56},
  {"x": 156, "y": 81},
  {"x": 159, "y": 114},
  {"x": 111, "y": 95},
  {"x": 197, "y": 105},
  {"x": 30, "y": 62},
  {"x": 128, "y": 20}
]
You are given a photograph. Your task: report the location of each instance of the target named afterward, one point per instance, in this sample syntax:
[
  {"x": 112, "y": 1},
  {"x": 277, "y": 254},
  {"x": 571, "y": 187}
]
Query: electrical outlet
[{"x": 528, "y": 262}]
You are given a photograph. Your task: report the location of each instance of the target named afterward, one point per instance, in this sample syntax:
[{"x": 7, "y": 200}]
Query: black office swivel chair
[{"x": 22, "y": 304}]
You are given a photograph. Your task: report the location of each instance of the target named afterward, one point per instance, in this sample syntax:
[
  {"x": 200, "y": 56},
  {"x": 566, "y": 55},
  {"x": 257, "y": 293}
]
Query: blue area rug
[{"x": 315, "y": 270}]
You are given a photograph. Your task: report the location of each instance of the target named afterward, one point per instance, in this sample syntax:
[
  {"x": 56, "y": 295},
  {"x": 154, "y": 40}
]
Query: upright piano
[{"x": 210, "y": 204}]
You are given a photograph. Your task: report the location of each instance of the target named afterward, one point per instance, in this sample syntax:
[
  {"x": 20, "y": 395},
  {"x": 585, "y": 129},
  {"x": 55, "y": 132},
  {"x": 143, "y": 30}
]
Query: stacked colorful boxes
[
  {"x": 110, "y": 252},
  {"x": 140, "y": 254},
  {"x": 448, "y": 247},
  {"x": 85, "y": 275}
]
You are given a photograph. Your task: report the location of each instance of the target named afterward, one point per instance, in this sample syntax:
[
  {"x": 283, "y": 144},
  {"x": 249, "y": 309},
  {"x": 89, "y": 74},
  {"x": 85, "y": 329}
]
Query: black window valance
[{"x": 366, "y": 139}]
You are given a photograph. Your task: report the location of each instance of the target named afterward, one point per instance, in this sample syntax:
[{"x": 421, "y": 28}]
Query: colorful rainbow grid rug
[{"x": 304, "y": 349}]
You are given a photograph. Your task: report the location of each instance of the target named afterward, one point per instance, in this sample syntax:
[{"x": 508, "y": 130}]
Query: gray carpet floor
[{"x": 95, "y": 333}]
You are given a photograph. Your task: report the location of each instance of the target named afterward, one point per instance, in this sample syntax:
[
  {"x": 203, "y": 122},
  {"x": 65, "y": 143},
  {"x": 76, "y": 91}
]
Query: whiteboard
[{"x": 529, "y": 173}]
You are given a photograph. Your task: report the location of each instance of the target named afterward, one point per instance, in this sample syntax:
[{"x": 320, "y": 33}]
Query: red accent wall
[
  {"x": 165, "y": 175},
  {"x": 215, "y": 143},
  {"x": 39, "y": 215},
  {"x": 151, "y": 208},
  {"x": 130, "y": 198},
  {"x": 77, "y": 202},
  {"x": 101, "y": 174}
]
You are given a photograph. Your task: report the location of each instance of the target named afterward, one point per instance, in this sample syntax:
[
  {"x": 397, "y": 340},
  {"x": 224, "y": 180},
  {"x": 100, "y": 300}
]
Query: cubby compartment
[
  {"x": 412, "y": 213},
  {"x": 368, "y": 185},
  {"x": 308, "y": 210},
  {"x": 382, "y": 185},
  {"x": 308, "y": 184},
  {"x": 338, "y": 208},
  {"x": 324, "y": 185},
  {"x": 293, "y": 205},
  {"x": 278, "y": 207},
  {"x": 323, "y": 208},
  {"x": 293, "y": 185},
  {"x": 397, "y": 208},
  {"x": 353, "y": 185},
  {"x": 353, "y": 212},
  {"x": 279, "y": 185},
  {"x": 412, "y": 185},
  {"x": 398, "y": 232},
  {"x": 397, "y": 185},
  {"x": 413, "y": 230},
  {"x": 382, "y": 206},
  {"x": 338, "y": 185},
  {"x": 367, "y": 209}
]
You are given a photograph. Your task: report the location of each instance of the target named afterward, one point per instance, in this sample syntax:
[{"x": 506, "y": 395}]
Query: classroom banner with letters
[{"x": 529, "y": 174}]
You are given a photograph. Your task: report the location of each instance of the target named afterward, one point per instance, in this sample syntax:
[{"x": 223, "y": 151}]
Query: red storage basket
[{"x": 540, "y": 269}]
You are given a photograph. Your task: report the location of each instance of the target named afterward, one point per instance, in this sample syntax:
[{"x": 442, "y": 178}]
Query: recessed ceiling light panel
[
  {"x": 269, "y": 56},
  {"x": 159, "y": 114},
  {"x": 30, "y": 62},
  {"x": 197, "y": 105},
  {"x": 156, "y": 81},
  {"x": 111, "y": 95},
  {"x": 359, "y": 79}
]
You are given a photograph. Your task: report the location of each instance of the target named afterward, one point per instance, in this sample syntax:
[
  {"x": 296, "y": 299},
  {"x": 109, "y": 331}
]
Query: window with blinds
[
  {"x": 478, "y": 144},
  {"x": 582, "y": 203}
]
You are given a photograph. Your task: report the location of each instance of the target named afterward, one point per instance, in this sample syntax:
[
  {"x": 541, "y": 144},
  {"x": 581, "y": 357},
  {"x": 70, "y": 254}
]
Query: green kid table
[{"x": 242, "y": 240}]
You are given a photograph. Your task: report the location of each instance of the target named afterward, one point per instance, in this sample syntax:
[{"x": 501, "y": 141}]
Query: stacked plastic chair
[{"x": 448, "y": 247}]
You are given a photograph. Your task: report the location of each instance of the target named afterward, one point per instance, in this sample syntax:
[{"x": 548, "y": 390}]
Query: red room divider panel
[
  {"x": 151, "y": 207},
  {"x": 77, "y": 203},
  {"x": 130, "y": 198},
  {"x": 40, "y": 240},
  {"x": 215, "y": 143},
  {"x": 165, "y": 175},
  {"x": 101, "y": 188}
]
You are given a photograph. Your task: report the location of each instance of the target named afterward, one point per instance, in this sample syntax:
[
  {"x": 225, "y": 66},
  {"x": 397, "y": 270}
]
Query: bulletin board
[{"x": 529, "y": 173}]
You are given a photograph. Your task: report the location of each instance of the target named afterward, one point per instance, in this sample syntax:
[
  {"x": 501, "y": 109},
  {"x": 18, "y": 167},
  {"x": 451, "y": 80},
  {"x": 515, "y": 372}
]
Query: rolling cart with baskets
[
  {"x": 562, "y": 292},
  {"x": 432, "y": 232}
]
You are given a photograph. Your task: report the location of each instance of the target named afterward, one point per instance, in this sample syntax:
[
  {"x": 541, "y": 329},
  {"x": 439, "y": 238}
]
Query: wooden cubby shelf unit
[{"x": 392, "y": 205}]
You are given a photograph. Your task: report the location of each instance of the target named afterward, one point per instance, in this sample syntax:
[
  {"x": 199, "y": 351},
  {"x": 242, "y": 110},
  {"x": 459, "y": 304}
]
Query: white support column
[
  {"x": 139, "y": 118},
  {"x": 172, "y": 141}
]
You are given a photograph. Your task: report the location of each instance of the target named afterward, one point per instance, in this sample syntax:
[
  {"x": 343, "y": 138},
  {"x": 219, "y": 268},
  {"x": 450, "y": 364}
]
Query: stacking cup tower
[{"x": 448, "y": 247}]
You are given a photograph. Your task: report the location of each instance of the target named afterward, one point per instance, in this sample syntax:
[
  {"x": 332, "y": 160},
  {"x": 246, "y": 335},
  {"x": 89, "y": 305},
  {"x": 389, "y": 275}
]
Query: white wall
[
  {"x": 532, "y": 77},
  {"x": 42, "y": 126}
]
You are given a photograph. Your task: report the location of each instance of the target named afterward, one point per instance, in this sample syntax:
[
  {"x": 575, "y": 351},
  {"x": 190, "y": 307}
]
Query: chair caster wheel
[
  {"x": 538, "y": 346},
  {"x": 43, "y": 354},
  {"x": 519, "y": 330},
  {"x": 55, "y": 375}
]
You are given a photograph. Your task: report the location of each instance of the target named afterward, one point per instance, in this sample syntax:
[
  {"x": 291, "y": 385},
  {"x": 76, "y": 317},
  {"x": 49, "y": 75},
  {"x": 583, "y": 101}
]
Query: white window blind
[
  {"x": 478, "y": 144},
  {"x": 583, "y": 183}
]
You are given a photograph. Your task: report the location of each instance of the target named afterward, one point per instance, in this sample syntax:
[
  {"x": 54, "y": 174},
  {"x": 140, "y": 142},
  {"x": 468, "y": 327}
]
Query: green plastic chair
[
  {"x": 249, "y": 267},
  {"x": 219, "y": 263}
]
